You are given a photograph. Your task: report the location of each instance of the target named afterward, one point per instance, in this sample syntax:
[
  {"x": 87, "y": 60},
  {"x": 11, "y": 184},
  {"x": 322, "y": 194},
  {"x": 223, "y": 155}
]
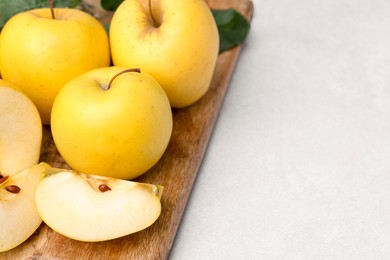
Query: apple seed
[
  {"x": 104, "y": 188},
  {"x": 3, "y": 179},
  {"x": 13, "y": 189}
]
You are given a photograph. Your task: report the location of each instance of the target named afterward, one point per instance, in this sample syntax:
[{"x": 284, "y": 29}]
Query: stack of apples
[{"x": 108, "y": 99}]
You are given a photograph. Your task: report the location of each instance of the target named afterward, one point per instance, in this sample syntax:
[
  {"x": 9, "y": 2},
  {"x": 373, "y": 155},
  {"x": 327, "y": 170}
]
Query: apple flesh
[
  {"x": 18, "y": 216},
  {"x": 20, "y": 130},
  {"x": 40, "y": 54},
  {"x": 176, "y": 42},
  {"x": 94, "y": 208}
]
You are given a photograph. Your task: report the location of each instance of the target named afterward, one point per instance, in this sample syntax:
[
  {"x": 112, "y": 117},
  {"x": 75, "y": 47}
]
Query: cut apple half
[
  {"x": 94, "y": 208},
  {"x": 18, "y": 217},
  {"x": 20, "y": 130}
]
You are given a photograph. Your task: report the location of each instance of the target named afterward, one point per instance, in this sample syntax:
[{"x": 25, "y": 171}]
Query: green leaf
[
  {"x": 9, "y": 8},
  {"x": 110, "y": 5},
  {"x": 233, "y": 28}
]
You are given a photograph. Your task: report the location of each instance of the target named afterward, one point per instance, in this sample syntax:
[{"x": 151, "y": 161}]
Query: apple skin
[
  {"x": 20, "y": 130},
  {"x": 121, "y": 132},
  {"x": 180, "y": 52},
  {"x": 39, "y": 54}
]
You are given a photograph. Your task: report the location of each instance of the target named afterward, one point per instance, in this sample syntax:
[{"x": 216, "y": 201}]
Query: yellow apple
[
  {"x": 40, "y": 54},
  {"x": 111, "y": 122},
  {"x": 18, "y": 216},
  {"x": 20, "y": 130},
  {"x": 94, "y": 208},
  {"x": 176, "y": 42}
]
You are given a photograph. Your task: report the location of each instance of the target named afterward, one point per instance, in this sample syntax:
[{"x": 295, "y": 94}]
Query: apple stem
[
  {"x": 151, "y": 14},
  {"x": 52, "y": 9},
  {"x": 138, "y": 70}
]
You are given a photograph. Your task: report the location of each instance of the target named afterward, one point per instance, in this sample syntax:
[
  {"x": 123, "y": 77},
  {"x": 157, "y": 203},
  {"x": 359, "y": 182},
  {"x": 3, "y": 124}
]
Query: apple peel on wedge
[
  {"x": 94, "y": 208},
  {"x": 18, "y": 215}
]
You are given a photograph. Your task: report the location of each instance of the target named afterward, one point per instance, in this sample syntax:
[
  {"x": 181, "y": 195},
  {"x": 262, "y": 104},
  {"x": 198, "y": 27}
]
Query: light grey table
[{"x": 298, "y": 166}]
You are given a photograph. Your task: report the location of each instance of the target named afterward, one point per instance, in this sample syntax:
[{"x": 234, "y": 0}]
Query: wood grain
[{"x": 176, "y": 171}]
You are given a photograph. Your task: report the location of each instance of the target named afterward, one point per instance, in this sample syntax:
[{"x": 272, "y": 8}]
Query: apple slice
[
  {"x": 94, "y": 208},
  {"x": 20, "y": 130},
  {"x": 18, "y": 217}
]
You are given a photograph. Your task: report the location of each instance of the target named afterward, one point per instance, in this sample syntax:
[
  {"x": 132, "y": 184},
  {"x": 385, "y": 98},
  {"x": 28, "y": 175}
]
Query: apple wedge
[
  {"x": 20, "y": 130},
  {"x": 93, "y": 208},
  {"x": 18, "y": 215}
]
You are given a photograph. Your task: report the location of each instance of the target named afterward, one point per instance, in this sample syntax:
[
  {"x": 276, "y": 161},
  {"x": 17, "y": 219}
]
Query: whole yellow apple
[
  {"x": 112, "y": 122},
  {"x": 176, "y": 42},
  {"x": 40, "y": 54}
]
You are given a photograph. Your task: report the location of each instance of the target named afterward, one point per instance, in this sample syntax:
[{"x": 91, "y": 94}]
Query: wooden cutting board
[{"x": 176, "y": 171}]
